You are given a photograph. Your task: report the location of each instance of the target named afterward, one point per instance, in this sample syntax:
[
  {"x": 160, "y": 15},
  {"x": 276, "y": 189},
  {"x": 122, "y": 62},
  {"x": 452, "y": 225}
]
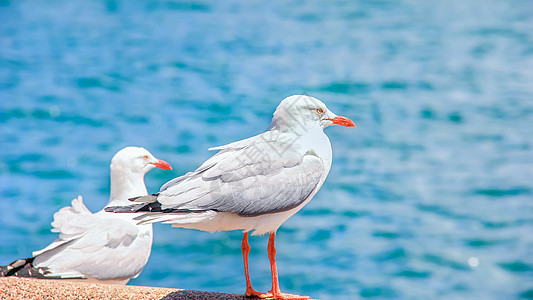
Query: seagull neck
[{"x": 125, "y": 185}]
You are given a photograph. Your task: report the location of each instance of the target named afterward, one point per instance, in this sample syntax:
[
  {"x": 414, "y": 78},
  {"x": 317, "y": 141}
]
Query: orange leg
[
  {"x": 245, "y": 251},
  {"x": 275, "y": 292}
]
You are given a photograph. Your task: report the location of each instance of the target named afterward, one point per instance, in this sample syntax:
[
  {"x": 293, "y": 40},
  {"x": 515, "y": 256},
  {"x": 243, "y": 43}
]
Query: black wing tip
[
  {"x": 151, "y": 207},
  {"x": 110, "y": 208},
  {"x": 24, "y": 268},
  {"x": 122, "y": 209},
  {"x": 144, "y": 207},
  {"x": 145, "y": 198},
  {"x": 134, "y": 198}
]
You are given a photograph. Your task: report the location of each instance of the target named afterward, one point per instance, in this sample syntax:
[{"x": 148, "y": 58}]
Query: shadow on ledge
[{"x": 200, "y": 295}]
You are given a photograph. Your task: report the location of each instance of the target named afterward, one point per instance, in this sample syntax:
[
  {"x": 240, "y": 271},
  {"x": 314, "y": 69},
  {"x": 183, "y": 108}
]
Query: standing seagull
[
  {"x": 254, "y": 184},
  {"x": 100, "y": 247}
]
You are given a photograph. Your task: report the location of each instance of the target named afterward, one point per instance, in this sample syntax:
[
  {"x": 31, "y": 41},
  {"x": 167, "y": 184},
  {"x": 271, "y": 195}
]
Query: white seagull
[
  {"x": 252, "y": 185},
  {"x": 100, "y": 247}
]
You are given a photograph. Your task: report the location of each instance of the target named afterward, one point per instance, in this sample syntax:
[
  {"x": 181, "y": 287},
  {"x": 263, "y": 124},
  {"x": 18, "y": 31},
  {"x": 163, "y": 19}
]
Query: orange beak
[
  {"x": 161, "y": 164},
  {"x": 340, "y": 120}
]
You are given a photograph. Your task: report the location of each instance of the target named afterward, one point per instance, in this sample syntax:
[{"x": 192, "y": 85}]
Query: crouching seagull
[{"x": 100, "y": 247}]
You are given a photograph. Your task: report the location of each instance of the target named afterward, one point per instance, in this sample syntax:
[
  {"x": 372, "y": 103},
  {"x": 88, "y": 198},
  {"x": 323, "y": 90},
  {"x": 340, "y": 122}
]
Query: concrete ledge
[{"x": 28, "y": 288}]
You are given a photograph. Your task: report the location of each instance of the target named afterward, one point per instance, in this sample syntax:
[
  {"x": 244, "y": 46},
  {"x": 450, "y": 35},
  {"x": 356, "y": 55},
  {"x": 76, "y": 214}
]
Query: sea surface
[{"x": 429, "y": 197}]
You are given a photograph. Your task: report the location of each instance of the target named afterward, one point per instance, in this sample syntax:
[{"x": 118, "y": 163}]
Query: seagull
[
  {"x": 254, "y": 184},
  {"x": 101, "y": 247}
]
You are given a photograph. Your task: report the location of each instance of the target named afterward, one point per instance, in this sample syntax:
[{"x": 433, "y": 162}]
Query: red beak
[
  {"x": 340, "y": 120},
  {"x": 161, "y": 164}
]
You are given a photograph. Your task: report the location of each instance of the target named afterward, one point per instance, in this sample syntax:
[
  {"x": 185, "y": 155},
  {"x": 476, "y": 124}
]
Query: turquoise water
[{"x": 430, "y": 197}]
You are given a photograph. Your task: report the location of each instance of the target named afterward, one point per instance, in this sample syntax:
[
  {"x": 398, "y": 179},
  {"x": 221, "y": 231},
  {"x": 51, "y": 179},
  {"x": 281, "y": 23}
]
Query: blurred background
[{"x": 430, "y": 197}]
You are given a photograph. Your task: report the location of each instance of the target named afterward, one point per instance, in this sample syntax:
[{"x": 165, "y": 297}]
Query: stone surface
[{"x": 30, "y": 288}]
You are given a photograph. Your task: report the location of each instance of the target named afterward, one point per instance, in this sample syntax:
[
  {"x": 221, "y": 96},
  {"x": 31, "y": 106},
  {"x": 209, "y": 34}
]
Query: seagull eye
[
  {"x": 319, "y": 111},
  {"x": 145, "y": 157}
]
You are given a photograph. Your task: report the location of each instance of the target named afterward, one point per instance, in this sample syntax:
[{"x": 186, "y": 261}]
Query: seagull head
[
  {"x": 137, "y": 160},
  {"x": 301, "y": 112},
  {"x": 128, "y": 168}
]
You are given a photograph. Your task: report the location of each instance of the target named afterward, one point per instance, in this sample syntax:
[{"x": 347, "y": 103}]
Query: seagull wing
[
  {"x": 264, "y": 174},
  {"x": 90, "y": 245}
]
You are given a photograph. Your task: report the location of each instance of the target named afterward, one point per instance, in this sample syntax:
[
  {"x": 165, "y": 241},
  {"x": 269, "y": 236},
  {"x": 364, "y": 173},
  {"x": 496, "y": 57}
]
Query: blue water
[{"x": 430, "y": 197}]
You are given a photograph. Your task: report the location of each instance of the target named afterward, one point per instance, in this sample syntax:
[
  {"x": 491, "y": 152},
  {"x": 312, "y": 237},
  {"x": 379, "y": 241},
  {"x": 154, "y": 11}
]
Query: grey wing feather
[
  {"x": 265, "y": 194},
  {"x": 175, "y": 181},
  {"x": 260, "y": 177}
]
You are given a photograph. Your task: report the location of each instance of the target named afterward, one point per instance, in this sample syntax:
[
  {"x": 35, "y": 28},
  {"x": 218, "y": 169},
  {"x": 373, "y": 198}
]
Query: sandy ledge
[{"x": 27, "y": 288}]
